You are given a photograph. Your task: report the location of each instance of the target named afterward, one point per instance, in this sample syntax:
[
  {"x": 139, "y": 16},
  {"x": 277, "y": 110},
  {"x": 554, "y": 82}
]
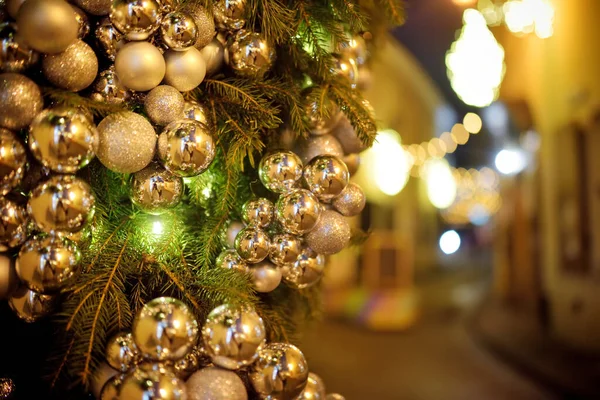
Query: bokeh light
[
  {"x": 441, "y": 185},
  {"x": 157, "y": 228},
  {"x": 388, "y": 162},
  {"x": 459, "y": 134},
  {"x": 510, "y": 161},
  {"x": 450, "y": 242},
  {"x": 472, "y": 123}
]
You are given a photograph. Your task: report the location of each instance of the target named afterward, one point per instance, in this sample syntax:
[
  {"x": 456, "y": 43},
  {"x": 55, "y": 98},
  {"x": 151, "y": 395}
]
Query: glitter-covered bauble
[
  {"x": 152, "y": 385},
  {"x": 266, "y": 277},
  {"x": 121, "y": 352},
  {"x": 12, "y": 7},
  {"x": 258, "y": 212},
  {"x": 140, "y": 66},
  {"x": 280, "y": 372},
  {"x": 30, "y": 306},
  {"x": 305, "y": 271},
  {"x": 298, "y": 211},
  {"x": 95, "y": 7},
  {"x": 252, "y": 244},
  {"x": 230, "y": 232},
  {"x": 285, "y": 249},
  {"x": 214, "y": 56},
  {"x": 62, "y": 203},
  {"x": 108, "y": 88},
  {"x": 279, "y": 171},
  {"x": 48, "y": 264},
  {"x": 345, "y": 133},
  {"x": 165, "y": 329},
  {"x": 127, "y": 142},
  {"x": 108, "y": 38},
  {"x": 73, "y": 69},
  {"x": 164, "y": 104},
  {"x": 347, "y": 69},
  {"x": 352, "y": 161},
  {"x": 326, "y": 176},
  {"x": 230, "y": 15},
  {"x": 351, "y": 201},
  {"x": 249, "y": 54},
  {"x": 63, "y": 139},
  {"x": 317, "y": 146},
  {"x": 196, "y": 111},
  {"x": 155, "y": 190},
  {"x": 185, "y": 69},
  {"x": 136, "y": 19},
  {"x": 21, "y": 101},
  {"x": 48, "y": 26},
  {"x": 229, "y": 259},
  {"x": 315, "y": 388},
  {"x": 9, "y": 281},
  {"x": 13, "y": 161},
  {"x": 232, "y": 336},
  {"x": 204, "y": 22},
  {"x": 214, "y": 383},
  {"x": 186, "y": 147},
  {"x": 178, "y": 31},
  {"x": 331, "y": 234},
  {"x": 14, "y": 56},
  {"x": 13, "y": 224},
  {"x": 83, "y": 23}
]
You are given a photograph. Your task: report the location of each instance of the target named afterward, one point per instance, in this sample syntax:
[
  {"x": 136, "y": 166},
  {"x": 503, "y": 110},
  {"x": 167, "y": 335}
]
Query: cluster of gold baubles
[{"x": 168, "y": 355}]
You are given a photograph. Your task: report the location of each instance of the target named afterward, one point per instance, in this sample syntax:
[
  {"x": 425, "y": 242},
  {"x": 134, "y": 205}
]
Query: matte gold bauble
[
  {"x": 30, "y": 306},
  {"x": 214, "y": 56},
  {"x": 13, "y": 161},
  {"x": 73, "y": 69},
  {"x": 136, "y": 19},
  {"x": 21, "y": 101},
  {"x": 164, "y": 104},
  {"x": 185, "y": 70},
  {"x": 266, "y": 277},
  {"x": 317, "y": 146},
  {"x": 14, "y": 55},
  {"x": 140, "y": 66},
  {"x": 346, "y": 135}
]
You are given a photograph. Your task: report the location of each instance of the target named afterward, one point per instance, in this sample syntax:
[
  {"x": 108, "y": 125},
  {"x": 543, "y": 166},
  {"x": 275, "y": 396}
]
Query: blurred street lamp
[
  {"x": 510, "y": 161},
  {"x": 449, "y": 242}
]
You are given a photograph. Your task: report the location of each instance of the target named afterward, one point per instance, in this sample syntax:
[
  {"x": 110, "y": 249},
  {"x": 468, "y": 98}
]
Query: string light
[
  {"x": 388, "y": 162},
  {"x": 450, "y": 242},
  {"x": 526, "y": 16},
  {"x": 157, "y": 228},
  {"x": 441, "y": 186}
]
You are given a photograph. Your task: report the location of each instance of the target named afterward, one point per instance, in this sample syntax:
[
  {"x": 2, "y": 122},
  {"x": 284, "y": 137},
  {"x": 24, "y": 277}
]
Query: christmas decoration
[
  {"x": 345, "y": 133},
  {"x": 110, "y": 390},
  {"x": 121, "y": 352},
  {"x": 319, "y": 145},
  {"x": 214, "y": 56},
  {"x": 29, "y": 305},
  {"x": 108, "y": 88},
  {"x": 12, "y": 162},
  {"x": 215, "y": 384},
  {"x": 185, "y": 70},
  {"x": 335, "y": 396},
  {"x": 12, "y": 7},
  {"x": 314, "y": 390},
  {"x": 279, "y": 171},
  {"x": 13, "y": 225},
  {"x": 152, "y": 384},
  {"x": 265, "y": 277},
  {"x": 136, "y": 19},
  {"x": 140, "y": 66},
  {"x": 229, "y": 259},
  {"x": 196, "y": 111},
  {"x": 330, "y": 235},
  {"x": 230, "y": 232},
  {"x": 179, "y": 31},
  {"x": 186, "y": 147},
  {"x": 229, "y": 14},
  {"x": 258, "y": 212},
  {"x": 83, "y": 22},
  {"x": 155, "y": 190},
  {"x": 249, "y": 54},
  {"x": 280, "y": 372},
  {"x": 285, "y": 249},
  {"x": 109, "y": 38},
  {"x": 21, "y": 101},
  {"x": 95, "y": 7},
  {"x": 252, "y": 244},
  {"x": 351, "y": 201},
  {"x": 73, "y": 69},
  {"x": 14, "y": 56},
  {"x": 346, "y": 68},
  {"x": 164, "y": 104},
  {"x": 8, "y": 277},
  {"x": 298, "y": 211},
  {"x": 204, "y": 22},
  {"x": 326, "y": 177},
  {"x": 306, "y": 271}
]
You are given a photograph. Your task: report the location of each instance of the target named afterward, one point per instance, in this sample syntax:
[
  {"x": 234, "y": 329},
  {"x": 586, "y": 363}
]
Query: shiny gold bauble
[
  {"x": 285, "y": 249},
  {"x": 326, "y": 177},
  {"x": 178, "y": 31},
  {"x": 165, "y": 329},
  {"x": 14, "y": 55},
  {"x": 30, "y": 306},
  {"x": 213, "y": 383},
  {"x": 185, "y": 69},
  {"x": 298, "y": 211},
  {"x": 95, "y": 7},
  {"x": 21, "y": 101},
  {"x": 314, "y": 146},
  {"x": 108, "y": 38},
  {"x": 127, "y": 142},
  {"x": 164, "y": 104},
  {"x": 347, "y": 69},
  {"x": 102, "y": 374},
  {"x": 136, "y": 19},
  {"x": 187, "y": 365},
  {"x": 258, "y": 212},
  {"x": 73, "y": 69},
  {"x": 315, "y": 388},
  {"x": 62, "y": 203},
  {"x": 306, "y": 271},
  {"x": 140, "y": 66},
  {"x": 155, "y": 190},
  {"x": 152, "y": 385},
  {"x": 9, "y": 281},
  {"x": 351, "y": 201},
  {"x": 266, "y": 277},
  {"x": 204, "y": 22},
  {"x": 197, "y": 111},
  {"x": 232, "y": 336},
  {"x": 214, "y": 56},
  {"x": 252, "y": 244},
  {"x": 280, "y": 372},
  {"x": 13, "y": 161},
  {"x": 280, "y": 170},
  {"x": 63, "y": 139},
  {"x": 334, "y": 396},
  {"x": 48, "y": 264},
  {"x": 13, "y": 224},
  {"x": 229, "y": 259},
  {"x": 186, "y": 147},
  {"x": 48, "y": 26},
  {"x": 314, "y": 109},
  {"x": 111, "y": 389},
  {"x": 121, "y": 352},
  {"x": 230, "y": 15},
  {"x": 108, "y": 88},
  {"x": 12, "y": 7},
  {"x": 331, "y": 234},
  {"x": 83, "y": 23},
  {"x": 249, "y": 54}
]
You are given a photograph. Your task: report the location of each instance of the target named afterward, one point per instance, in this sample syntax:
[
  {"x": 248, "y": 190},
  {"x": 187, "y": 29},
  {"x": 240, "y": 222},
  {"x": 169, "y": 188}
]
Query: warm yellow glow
[
  {"x": 441, "y": 184},
  {"x": 459, "y": 134},
  {"x": 475, "y": 62},
  {"x": 510, "y": 161},
  {"x": 436, "y": 148},
  {"x": 388, "y": 162},
  {"x": 464, "y": 2},
  {"x": 526, "y": 16},
  {"x": 472, "y": 123},
  {"x": 157, "y": 228},
  {"x": 491, "y": 11},
  {"x": 448, "y": 140}
]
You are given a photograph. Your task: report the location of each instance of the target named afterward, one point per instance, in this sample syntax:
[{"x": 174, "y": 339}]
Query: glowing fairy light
[
  {"x": 388, "y": 162},
  {"x": 157, "y": 228},
  {"x": 450, "y": 242},
  {"x": 441, "y": 184},
  {"x": 526, "y": 16}
]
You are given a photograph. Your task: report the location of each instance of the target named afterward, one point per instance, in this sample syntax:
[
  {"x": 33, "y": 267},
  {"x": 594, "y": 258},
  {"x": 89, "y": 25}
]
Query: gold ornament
[
  {"x": 95, "y": 7},
  {"x": 315, "y": 388},
  {"x": 63, "y": 139},
  {"x": 345, "y": 133},
  {"x": 314, "y": 109},
  {"x": 197, "y": 111},
  {"x": 186, "y": 148},
  {"x": 230, "y": 232},
  {"x": 73, "y": 69},
  {"x": 155, "y": 190},
  {"x": 279, "y": 171},
  {"x": 306, "y": 271},
  {"x": 233, "y": 335},
  {"x": 30, "y": 306},
  {"x": 164, "y": 104},
  {"x": 13, "y": 225},
  {"x": 185, "y": 69},
  {"x": 9, "y": 281},
  {"x": 140, "y": 66},
  {"x": 326, "y": 177},
  {"x": 346, "y": 68},
  {"x": 352, "y": 161},
  {"x": 178, "y": 31},
  {"x": 48, "y": 264},
  {"x": 356, "y": 48},
  {"x": 100, "y": 376},
  {"x": 214, "y": 56},
  {"x": 249, "y": 54},
  {"x": 111, "y": 389},
  {"x": 136, "y": 19},
  {"x": 258, "y": 212},
  {"x": 285, "y": 249},
  {"x": 127, "y": 142},
  {"x": 7, "y": 388},
  {"x": 21, "y": 101},
  {"x": 62, "y": 203},
  {"x": 108, "y": 38},
  {"x": 165, "y": 329},
  {"x": 121, "y": 352},
  {"x": 335, "y": 396},
  {"x": 12, "y": 162},
  {"x": 48, "y": 26},
  {"x": 280, "y": 372},
  {"x": 351, "y": 201},
  {"x": 252, "y": 244},
  {"x": 230, "y": 15},
  {"x": 83, "y": 22},
  {"x": 189, "y": 364},
  {"x": 331, "y": 234},
  {"x": 204, "y": 22},
  {"x": 317, "y": 146},
  {"x": 12, "y": 7},
  {"x": 108, "y": 88},
  {"x": 152, "y": 385},
  {"x": 215, "y": 383},
  {"x": 266, "y": 277},
  {"x": 298, "y": 211},
  {"x": 14, "y": 56},
  {"x": 229, "y": 259}
]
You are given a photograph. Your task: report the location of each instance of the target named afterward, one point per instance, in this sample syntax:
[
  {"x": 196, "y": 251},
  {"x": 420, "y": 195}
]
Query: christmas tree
[{"x": 171, "y": 182}]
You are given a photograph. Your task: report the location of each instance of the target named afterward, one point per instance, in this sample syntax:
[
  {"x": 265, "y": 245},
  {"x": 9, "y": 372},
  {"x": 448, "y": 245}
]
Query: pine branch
[
  {"x": 351, "y": 103},
  {"x": 71, "y": 99},
  {"x": 394, "y": 10},
  {"x": 276, "y": 21}
]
